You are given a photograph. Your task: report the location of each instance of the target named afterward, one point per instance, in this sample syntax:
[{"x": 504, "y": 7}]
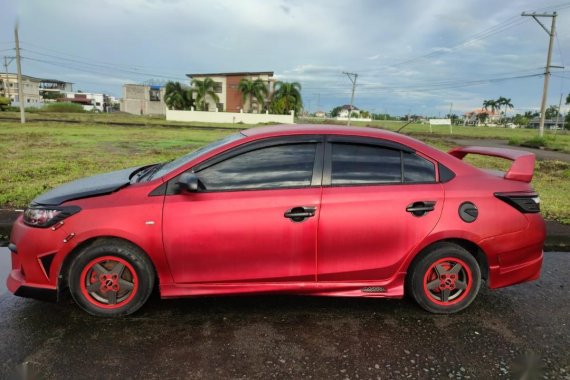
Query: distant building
[
  {"x": 226, "y": 87},
  {"x": 31, "y": 89},
  {"x": 90, "y": 101},
  {"x": 51, "y": 89},
  {"x": 475, "y": 117},
  {"x": 140, "y": 99},
  {"x": 320, "y": 114},
  {"x": 343, "y": 114},
  {"x": 548, "y": 123},
  {"x": 36, "y": 90}
]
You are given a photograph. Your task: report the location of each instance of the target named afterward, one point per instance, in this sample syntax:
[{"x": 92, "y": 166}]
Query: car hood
[{"x": 86, "y": 187}]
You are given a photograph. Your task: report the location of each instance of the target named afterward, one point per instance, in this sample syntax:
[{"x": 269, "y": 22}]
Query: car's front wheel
[
  {"x": 446, "y": 279},
  {"x": 111, "y": 278}
]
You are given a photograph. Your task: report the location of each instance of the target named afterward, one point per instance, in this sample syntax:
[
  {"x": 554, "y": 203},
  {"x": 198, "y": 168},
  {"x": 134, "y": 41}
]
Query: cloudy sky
[{"x": 412, "y": 56}]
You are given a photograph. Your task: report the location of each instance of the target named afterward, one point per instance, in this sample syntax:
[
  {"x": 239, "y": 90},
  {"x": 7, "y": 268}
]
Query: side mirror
[{"x": 188, "y": 182}]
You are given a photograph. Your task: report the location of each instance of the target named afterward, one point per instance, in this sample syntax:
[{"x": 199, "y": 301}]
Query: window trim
[
  {"x": 316, "y": 178},
  {"x": 386, "y": 144}
]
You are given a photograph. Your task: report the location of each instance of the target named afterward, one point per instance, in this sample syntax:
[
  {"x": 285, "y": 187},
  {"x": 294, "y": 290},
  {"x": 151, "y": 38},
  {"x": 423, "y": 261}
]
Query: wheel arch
[
  {"x": 466, "y": 244},
  {"x": 62, "y": 278}
]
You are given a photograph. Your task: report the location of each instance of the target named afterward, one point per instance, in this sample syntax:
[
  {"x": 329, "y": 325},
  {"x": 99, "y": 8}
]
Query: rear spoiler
[{"x": 522, "y": 168}]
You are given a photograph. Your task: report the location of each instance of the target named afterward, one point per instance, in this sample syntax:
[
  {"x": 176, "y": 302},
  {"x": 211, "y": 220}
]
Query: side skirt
[{"x": 392, "y": 288}]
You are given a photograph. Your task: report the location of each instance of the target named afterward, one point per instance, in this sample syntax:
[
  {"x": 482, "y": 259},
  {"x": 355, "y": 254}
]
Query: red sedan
[{"x": 314, "y": 210}]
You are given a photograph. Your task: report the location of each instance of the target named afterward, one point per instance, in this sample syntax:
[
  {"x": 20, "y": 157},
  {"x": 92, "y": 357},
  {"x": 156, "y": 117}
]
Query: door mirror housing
[{"x": 188, "y": 182}]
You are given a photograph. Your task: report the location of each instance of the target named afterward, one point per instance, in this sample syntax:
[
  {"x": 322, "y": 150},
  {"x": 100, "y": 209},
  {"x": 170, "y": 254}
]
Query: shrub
[
  {"x": 4, "y": 103},
  {"x": 63, "y": 107}
]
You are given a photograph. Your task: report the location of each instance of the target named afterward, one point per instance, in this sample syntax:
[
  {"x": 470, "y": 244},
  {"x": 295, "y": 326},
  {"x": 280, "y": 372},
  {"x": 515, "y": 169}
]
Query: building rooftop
[{"x": 243, "y": 73}]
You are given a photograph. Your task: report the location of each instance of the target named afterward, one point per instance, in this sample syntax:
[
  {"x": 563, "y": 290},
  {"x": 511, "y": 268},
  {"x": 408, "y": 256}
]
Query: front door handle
[
  {"x": 300, "y": 213},
  {"x": 421, "y": 208}
]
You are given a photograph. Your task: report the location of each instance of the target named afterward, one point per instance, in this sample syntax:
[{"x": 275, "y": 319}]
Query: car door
[
  {"x": 380, "y": 199},
  {"x": 254, "y": 219}
]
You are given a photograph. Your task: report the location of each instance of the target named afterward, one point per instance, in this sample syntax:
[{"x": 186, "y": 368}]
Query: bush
[
  {"x": 63, "y": 107},
  {"x": 4, "y": 103}
]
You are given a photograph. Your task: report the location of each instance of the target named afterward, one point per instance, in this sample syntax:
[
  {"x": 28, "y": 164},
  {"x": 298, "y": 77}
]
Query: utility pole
[
  {"x": 450, "y": 118},
  {"x": 6, "y": 63},
  {"x": 20, "y": 83},
  {"x": 551, "y": 33},
  {"x": 352, "y": 77},
  {"x": 558, "y": 113}
]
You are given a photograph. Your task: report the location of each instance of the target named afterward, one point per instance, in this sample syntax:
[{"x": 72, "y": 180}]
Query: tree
[
  {"x": 521, "y": 120},
  {"x": 204, "y": 89},
  {"x": 336, "y": 111},
  {"x": 178, "y": 96},
  {"x": 287, "y": 98},
  {"x": 568, "y": 99},
  {"x": 482, "y": 117},
  {"x": 4, "y": 103},
  {"x": 551, "y": 112},
  {"x": 492, "y": 104},
  {"x": 504, "y": 102},
  {"x": 253, "y": 89},
  {"x": 531, "y": 114}
]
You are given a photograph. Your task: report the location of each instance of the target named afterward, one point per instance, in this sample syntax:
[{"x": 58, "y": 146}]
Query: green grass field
[{"x": 41, "y": 155}]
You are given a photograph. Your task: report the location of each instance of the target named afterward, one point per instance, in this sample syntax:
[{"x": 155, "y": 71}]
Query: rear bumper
[
  {"x": 17, "y": 285},
  {"x": 501, "y": 276}
]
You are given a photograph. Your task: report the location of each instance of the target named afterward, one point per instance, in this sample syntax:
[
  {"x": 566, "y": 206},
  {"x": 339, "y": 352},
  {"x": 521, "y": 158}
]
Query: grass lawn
[{"x": 41, "y": 155}]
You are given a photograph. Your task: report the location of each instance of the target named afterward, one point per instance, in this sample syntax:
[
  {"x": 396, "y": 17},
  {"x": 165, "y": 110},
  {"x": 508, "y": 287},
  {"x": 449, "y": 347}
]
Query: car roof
[
  {"x": 311, "y": 129},
  {"x": 286, "y": 129}
]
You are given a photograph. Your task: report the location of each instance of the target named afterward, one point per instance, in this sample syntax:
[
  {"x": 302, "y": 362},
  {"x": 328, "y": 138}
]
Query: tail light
[{"x": 526, "y": 203}]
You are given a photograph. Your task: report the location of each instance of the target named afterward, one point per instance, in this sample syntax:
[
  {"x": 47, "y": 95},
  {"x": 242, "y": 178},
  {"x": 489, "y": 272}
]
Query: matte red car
[{"x": 315, "y": 210}]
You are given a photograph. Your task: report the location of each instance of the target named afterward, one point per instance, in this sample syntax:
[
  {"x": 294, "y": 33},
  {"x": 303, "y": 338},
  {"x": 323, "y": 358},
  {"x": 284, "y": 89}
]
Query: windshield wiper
[
  {"x": 143, "y": 172},
  {"x": 151, "y": 172}
]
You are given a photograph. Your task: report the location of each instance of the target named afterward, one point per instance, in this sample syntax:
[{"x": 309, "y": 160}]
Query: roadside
[{"x": 557, "y": 239}]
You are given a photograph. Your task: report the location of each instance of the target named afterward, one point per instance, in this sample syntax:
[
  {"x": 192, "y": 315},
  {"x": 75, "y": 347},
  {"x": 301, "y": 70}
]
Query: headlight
[{"x": 48, "y": 216}]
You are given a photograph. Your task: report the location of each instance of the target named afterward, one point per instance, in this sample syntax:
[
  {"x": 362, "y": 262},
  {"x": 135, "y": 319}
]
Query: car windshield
[{"x": 167, "y": 167}]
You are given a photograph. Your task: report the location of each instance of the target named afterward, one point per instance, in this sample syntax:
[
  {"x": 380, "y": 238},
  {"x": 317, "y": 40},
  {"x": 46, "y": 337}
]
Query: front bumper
[
  {"x": 33, "y": 255},
  {"x": 17, "y": 285}
]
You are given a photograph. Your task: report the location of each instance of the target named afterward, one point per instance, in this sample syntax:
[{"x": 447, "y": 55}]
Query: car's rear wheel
[
  {"x": 446, "y": 279},
  {"x": 111, "y": 278}
]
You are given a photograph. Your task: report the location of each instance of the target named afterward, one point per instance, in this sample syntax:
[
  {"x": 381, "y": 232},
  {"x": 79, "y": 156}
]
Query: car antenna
[{"x": 404, "y": 126}]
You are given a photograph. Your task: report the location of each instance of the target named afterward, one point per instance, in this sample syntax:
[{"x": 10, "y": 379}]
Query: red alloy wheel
[
  {"x": 447, "y": 281},
  {"x": 109, "y": 282}
]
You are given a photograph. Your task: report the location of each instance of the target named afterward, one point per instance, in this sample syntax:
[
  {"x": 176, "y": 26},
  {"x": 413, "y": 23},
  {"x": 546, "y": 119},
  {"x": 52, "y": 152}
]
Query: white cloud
[{"x": 398, "y": 48}]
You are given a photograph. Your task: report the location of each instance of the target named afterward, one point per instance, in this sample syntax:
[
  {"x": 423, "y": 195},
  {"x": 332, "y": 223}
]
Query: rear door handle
[
  {"x": 420, "y": 208},
  {"x": 300, "y": 213}
]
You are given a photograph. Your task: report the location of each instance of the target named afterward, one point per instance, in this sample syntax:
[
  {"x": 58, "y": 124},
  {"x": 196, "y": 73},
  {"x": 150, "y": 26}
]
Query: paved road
[{"x": 503, "y": 333}]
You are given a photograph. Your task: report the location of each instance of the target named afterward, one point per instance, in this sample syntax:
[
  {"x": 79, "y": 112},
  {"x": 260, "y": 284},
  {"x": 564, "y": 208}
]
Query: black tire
[
  {"x": 111, "y": 278},
  {"x": 445, "y": 279}
]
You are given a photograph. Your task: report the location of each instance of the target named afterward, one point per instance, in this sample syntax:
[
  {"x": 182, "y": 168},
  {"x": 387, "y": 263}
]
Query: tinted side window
[
  {"x": 266, "y": 168},
  {"x": 354, "y": 164},
  {"x": 418, "y": 169}
]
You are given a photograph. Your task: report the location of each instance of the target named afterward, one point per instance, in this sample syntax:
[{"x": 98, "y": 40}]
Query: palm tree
[
  {"x": 506, "y": 102},
  {"x": 490, "y": 104},
  {"x": 204, "y": 89},
  {"x": 253, "y": 88},
  {"x": 178, "y": 96},
  {"x": 287, "y": 97}
]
